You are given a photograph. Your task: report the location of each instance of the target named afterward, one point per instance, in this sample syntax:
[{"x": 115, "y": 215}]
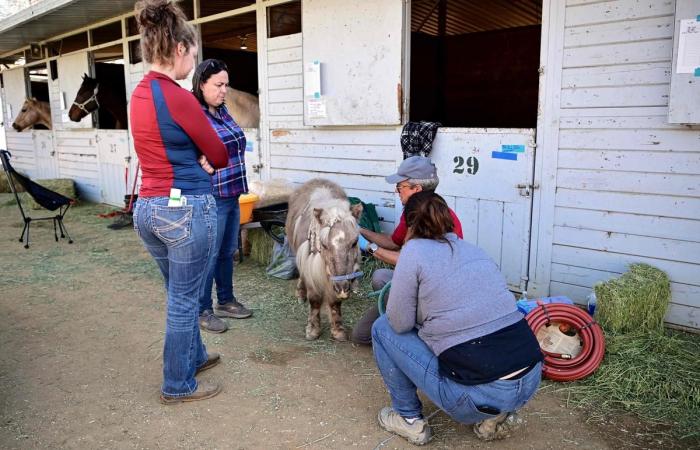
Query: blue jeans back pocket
[{"x": 172, "y": 225}]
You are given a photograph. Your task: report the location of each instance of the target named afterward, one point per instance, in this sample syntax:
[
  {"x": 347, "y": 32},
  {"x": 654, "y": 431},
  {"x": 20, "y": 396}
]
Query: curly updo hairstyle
[
  {"x": 162, "y": 25},
  {"x": 428, "y": 216}
]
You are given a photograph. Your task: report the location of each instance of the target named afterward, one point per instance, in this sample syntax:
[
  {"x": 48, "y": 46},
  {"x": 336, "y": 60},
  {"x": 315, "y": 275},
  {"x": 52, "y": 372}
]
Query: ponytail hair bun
[{"x": 162, "y": 25}]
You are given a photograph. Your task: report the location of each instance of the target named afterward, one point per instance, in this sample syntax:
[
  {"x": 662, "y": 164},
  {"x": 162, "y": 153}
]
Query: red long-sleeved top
[{"x": 170, "y": 131}]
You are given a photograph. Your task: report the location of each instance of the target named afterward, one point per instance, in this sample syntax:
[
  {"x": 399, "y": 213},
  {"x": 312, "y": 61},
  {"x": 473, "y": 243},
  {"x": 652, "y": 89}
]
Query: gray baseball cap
[{"x": 415, "y": 167}]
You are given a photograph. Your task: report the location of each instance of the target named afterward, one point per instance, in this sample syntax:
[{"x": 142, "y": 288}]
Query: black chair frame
[{"x": 52, "y": 201}]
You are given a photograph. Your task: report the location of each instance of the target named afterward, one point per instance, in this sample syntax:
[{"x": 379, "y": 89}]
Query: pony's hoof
[
  {"x": 340, "y": 336},
  {"x": 312, "y": 333}
]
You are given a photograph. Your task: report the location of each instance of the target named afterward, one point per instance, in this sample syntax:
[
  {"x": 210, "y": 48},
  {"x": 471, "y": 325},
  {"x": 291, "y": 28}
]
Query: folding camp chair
[{"x": 45, "y": 197}]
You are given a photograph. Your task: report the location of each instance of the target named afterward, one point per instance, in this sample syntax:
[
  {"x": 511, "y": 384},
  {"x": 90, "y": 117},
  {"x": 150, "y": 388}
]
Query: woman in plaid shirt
[{"x": 209, "y": 87}]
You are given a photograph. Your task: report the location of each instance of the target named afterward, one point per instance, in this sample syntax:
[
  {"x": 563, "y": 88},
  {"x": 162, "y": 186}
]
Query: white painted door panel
[
  {"x": 358, "y": 47},
  {"x": 46, "y": 155},
  {"x": 253, "y": 166},
  {"x": 489, "y": 174},
  {"x": 15, "y": 95},
  {"x": 113, "y": 153},
  {"x": 70, "y": 76}
]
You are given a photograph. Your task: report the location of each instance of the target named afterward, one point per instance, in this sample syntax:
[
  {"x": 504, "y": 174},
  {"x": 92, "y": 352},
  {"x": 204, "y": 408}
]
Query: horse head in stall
[
  {"x": 323, "y": 232},
  {"x": 33, "y": 112},
  {"x": 93, "y": 95}
]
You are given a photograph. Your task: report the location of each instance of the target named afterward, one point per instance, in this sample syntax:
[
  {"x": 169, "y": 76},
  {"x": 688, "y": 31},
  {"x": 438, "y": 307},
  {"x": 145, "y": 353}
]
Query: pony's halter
[
  {"x": 92, "y": 98},
  {"x": 349, "y": 276}
]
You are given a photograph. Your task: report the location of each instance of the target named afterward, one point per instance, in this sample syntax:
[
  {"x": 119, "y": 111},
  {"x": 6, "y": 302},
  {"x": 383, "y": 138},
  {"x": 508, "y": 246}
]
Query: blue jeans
[
  {"x": 181, "y": 240},
  {"x": 406, "y": 363},
  {"x": 229, "y": 218}
]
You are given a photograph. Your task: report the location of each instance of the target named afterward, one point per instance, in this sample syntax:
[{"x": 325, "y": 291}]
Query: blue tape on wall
[
  {"x": 249, "y": 146},
  {"x": 505, "y": 155},
  {"x": 513, "y": 148},
  {"x": 697, "y": 71}
]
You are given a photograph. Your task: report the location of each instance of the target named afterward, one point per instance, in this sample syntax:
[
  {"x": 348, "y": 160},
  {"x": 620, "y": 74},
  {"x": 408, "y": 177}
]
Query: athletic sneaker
[
  {"x": 234, "y": 309},
  {"x": 418, "y": 432}
]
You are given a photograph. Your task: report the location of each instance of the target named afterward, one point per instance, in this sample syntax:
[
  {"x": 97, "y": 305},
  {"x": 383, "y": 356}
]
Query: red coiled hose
[{"x": 559, "y": 367}]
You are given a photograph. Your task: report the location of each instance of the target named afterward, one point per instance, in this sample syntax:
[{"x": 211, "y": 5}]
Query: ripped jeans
[
  {"x": 406, "y": 364},
  {"x": 181, "y": 240}
]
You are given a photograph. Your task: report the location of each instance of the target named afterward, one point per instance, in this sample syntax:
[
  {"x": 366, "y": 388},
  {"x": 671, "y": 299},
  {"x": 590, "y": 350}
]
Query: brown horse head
[
  {"x": 334, "y": 233},
  {"x": 33, "y": 112},
  {"x": 85, "y": 100}
]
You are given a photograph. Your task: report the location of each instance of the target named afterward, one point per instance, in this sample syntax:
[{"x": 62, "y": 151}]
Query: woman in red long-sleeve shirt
[{"x": 175, "y": 215}]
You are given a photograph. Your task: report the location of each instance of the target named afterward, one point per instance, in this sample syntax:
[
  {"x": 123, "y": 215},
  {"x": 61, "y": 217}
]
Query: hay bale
[
  {"x": 4, "y": 184},
  {"x": 635, "y": 302},
  {"x": 63, "y": 186},
  {"x": 260, "y": 246}
]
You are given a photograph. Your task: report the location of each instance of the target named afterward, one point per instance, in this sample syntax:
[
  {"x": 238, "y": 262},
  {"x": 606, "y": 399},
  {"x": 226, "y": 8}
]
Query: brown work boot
[
  {"x": 418, "y": 432},
  {"x": 233, "y": 309},
  {"x": 500, "y": 427},
  {"x": 210, "y": 323},
  {"x": 204, "y": 391},
  {"x": 213, "y": 359}
]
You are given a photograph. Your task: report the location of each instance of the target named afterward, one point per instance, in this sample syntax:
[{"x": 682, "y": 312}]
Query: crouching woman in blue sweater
[{"x": 452, "y": 330}]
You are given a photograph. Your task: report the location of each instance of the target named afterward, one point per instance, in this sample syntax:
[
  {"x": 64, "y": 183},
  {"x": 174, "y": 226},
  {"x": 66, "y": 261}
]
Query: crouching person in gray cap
[{"x": 415, "y": 174}]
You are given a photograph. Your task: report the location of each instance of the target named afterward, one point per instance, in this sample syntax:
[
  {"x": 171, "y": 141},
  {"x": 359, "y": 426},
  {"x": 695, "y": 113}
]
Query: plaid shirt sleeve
[{"x": 231, "y": 180}]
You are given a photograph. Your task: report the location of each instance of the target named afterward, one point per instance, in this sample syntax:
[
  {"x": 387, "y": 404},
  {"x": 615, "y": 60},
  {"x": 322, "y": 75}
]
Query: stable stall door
[
  {"x": 487, "y": 178},
  {"x": 20, "y": 144},
  {"x": 46, "y": 155},
  {"x": 71, "y": 69},
  {"x": 253, "y": 158},
  {"x": 352, "y": 61},
  {"x": 116, "y": 172},
  {"x": 15, "y": 94}
]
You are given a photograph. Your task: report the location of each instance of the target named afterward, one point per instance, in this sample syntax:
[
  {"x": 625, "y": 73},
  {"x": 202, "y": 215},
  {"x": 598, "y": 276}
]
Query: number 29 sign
[{"x": 471, "y": 165}]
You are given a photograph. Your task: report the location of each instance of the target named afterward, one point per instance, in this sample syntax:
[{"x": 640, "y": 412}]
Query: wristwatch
[{"x": 372, "y": 247}]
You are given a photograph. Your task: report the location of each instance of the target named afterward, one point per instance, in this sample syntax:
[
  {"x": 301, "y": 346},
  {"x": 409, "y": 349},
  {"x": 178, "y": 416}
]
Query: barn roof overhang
[{"x": 50, "y": 18}]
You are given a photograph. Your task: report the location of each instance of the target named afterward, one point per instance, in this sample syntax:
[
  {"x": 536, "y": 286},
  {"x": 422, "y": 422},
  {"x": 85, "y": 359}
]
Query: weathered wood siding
[
  {"x": 357, "y": 158},
  {"x": 21, "y": 146},
  {"x": 628, "y": 183}
]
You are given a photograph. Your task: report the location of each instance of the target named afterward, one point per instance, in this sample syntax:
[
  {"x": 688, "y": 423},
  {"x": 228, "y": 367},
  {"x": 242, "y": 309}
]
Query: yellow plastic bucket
[{"x": 246, "y": 202}]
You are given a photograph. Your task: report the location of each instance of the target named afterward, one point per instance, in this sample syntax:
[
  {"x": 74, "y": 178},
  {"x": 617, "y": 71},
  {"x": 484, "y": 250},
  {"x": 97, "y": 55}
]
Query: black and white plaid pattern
[{"x": 417, "y": 138}]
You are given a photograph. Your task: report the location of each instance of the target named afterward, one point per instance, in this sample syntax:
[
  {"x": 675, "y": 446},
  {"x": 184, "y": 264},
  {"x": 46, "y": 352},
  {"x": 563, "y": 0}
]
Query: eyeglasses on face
[{"x": 400, "y": 186}]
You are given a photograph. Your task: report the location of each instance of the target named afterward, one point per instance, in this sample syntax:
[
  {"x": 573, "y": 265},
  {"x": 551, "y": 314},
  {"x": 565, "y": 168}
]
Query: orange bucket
[{"x": 246, "y": 203}]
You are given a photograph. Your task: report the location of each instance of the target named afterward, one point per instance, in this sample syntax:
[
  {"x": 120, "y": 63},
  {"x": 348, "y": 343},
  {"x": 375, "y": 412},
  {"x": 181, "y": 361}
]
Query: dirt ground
[{"x": 81, "y": 339}]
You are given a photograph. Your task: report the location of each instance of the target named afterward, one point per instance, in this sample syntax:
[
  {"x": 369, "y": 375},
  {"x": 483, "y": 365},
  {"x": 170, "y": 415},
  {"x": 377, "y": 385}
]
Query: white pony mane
[{"x": 309, "y": 256}]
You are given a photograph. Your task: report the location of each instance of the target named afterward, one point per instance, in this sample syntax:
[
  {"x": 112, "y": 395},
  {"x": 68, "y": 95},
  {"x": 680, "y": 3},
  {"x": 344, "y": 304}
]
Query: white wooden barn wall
[
  {"x": 628, "y": 183},
  {"x": 355, "y": 158}
]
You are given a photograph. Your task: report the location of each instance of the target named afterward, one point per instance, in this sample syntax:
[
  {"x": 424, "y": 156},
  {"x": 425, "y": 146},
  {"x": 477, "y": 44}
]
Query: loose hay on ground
[
  {"x": 654, "y": 376},
  {"x": 280, "y": 317}
]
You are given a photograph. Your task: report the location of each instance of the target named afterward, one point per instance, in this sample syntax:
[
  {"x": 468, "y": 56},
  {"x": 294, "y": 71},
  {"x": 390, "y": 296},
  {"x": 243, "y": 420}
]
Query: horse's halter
[
  {"x": 92, "y": 98},
  {"x": 314, "y": 238}
]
